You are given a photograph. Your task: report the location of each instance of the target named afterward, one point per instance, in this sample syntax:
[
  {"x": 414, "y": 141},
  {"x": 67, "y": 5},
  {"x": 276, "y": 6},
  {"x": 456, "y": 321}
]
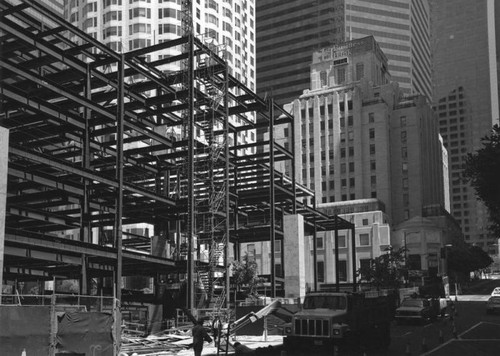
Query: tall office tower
[
  {"x": 126, "y": 25},
  {"x": 289, "y": 31},
  {"x": 358, "y": 136},
  {"x": 465, "y": 97}
]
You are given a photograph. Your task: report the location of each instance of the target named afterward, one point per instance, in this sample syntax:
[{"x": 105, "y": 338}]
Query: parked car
[
  {"x": 496, "y": 292},
  {"x": 421, "y": 309},
  {"x": 493, "y": 304}
]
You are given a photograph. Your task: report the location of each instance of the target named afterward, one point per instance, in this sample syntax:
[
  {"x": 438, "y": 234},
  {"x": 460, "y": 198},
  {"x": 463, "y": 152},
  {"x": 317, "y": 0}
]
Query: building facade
[
  {"x": 372, "y": 238},
  {"x": 126, "y": 25},
  {"x": 465, "y": 98},
  {"x": 288, "y": 31},
  {"x": 358, "y": 136}
]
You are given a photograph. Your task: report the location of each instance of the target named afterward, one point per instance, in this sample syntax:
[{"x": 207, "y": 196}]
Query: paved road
[{"x": 415, "y": 339}]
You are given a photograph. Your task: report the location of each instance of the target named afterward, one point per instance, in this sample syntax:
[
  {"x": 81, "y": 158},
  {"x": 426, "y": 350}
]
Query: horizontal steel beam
[{"x": 87, "y": 174}]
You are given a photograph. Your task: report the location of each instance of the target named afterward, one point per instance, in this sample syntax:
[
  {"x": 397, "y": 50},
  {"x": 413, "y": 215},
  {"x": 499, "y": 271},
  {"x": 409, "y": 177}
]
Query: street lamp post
[{"x": 406, "y": 274}]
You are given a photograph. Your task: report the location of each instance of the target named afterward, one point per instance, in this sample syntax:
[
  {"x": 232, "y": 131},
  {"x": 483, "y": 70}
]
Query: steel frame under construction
[{"x": 100, "y": 140}]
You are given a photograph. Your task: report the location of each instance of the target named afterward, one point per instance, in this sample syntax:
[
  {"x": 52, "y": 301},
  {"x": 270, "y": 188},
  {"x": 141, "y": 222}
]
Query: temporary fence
[{"x": 59, "y": 323}]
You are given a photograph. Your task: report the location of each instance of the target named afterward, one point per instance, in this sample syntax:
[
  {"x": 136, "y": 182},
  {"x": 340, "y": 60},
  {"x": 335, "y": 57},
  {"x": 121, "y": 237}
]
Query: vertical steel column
[
  {"x": 84, "y": 214},
  {"x": 315, "y": 257},
  {"x": 272, "y": 212},
  {"x": 119, "y": 176},
  {"x": 190, "y": 173},
  {"x": 337, "y": 272},
  {"x": 353, "y": 246},
  {"x": 226, "y": 178},
  {"x": 294, "y": 173},
  {"x": 85, "y": 201},
  {"x": 237, "y": 252}
]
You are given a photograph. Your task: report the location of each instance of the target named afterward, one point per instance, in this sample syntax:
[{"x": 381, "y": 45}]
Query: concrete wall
[
  {"x": 4, "y": 153},
  {"x": 295, "y": 273}
]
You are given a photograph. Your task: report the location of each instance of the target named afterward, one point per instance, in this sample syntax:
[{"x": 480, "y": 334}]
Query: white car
[
  {"x": 496, "y": 292},
  {"x": 493, "y": 304}
]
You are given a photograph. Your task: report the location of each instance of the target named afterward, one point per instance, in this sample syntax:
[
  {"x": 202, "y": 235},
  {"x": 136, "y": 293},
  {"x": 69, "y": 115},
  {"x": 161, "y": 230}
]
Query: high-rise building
[
  {"x": 289, "y": 31},
  {"x": 126, "y": 25},
  {"x": 56, "y": 6},
  {"x": 358, "y": 136},
  {"x": 465, "y": 97}
]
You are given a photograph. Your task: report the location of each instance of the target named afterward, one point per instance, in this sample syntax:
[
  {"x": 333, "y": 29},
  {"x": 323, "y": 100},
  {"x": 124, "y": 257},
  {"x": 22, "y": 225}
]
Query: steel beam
[{"x": 86, "y": 174}]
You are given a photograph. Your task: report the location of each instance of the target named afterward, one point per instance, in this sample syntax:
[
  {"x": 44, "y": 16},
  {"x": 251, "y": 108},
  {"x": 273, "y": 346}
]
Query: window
[
  {"x": 212, "y": 5},
  {"x": 349, "y": 121},
  {"x": 405, "y": 182},
  {"x": 351, "y": 182},
  {"x": 371, "y": 134},
  {"x": 371, "y": 117},
  {"x": 404, "y": 152},
  {"x": 343, "y": 183},
  {"x": 278, "y": 269},
  {"x": 323, "y": 78},
  {"x": 372, "y": 149},
  {"x": 351, "y": 167},
  {"x": 402, "y": 119},
  {"x": 342, "y": 241},
  {"x": 140, "y": 12},
  {"x": 319, "y": 243},
  {"x": 364, "y": 240},
  {"x": 340, "y": 75},
  {"x": 373, "y": 165},
  {"x": 343, "y": 271},
  {"x": 251, "y": 251},
  {"x": 365, "y": 222},
  {"x": 320, "y": 267},
  {"x": 403, "y": 136},
  {"x": 405, "y": 167},
  {"x": 277, "y": 246},
  {"x": 351, "y": 151}
]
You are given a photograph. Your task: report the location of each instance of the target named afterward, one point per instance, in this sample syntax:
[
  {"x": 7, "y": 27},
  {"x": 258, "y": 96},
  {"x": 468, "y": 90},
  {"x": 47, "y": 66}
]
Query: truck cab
[{"x": 343, "y": 319}]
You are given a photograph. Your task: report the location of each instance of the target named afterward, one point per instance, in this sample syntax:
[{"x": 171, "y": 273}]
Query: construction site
[{"x": 115, "y": 168}]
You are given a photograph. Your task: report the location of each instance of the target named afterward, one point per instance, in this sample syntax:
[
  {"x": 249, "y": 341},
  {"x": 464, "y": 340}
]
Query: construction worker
[{"x": 199, "y": 336}]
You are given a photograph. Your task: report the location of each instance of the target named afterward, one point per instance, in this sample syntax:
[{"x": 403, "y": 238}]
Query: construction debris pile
[{"x": 168, "y": 342}]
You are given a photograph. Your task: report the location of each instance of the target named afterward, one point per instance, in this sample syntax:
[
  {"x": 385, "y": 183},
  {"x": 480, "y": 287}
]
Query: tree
[
  {"x": 482, "y": 170},
  {"x": 385, "y": 271},
  {"x": 467, "y": 258},
  {"x": 245, "y": 275}
]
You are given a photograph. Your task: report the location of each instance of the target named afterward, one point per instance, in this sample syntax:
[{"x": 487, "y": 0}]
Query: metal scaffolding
[{"x": 101, "y": 140}]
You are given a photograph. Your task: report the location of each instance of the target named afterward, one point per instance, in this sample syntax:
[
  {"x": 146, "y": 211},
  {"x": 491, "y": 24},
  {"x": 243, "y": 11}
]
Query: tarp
[
  {"x": 86, "y": 333},
  {"x": 24, "y": 328}
]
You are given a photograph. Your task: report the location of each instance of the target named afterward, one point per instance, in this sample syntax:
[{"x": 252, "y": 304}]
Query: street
[{"x": 415, "y": 339}]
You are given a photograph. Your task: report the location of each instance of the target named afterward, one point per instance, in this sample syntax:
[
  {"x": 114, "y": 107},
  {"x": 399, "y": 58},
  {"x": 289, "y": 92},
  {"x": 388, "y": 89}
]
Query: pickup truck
[{"x": 421, "y": 309}]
